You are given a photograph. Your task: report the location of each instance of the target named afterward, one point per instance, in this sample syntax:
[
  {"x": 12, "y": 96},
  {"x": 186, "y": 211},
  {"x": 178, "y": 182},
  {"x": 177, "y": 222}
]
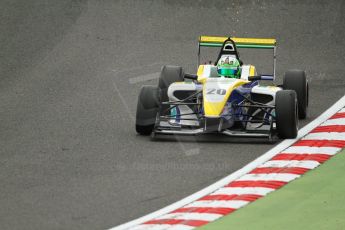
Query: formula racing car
[{"x": 225, "y": 97}]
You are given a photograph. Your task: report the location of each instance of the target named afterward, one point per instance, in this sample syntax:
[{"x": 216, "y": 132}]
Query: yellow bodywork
[
  {"x": 213, "y": 103},
  {"x": 252, "y": 71},
  {"x": 201, "y": 77},
  {"x": 212, "y": 108}
]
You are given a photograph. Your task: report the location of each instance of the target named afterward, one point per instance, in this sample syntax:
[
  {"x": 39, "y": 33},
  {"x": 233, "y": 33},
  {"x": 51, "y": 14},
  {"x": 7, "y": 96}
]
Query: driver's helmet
[{"x": 229, "y": 66}]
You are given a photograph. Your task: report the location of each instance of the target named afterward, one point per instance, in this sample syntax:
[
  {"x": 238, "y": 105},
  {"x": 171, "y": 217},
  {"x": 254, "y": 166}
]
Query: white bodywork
[
  {"x": 267, "y": 90},
  {"x": 245, "y": 72},
  {"x": 219, "y": 86},
  {"x": 183, "y": 109}
]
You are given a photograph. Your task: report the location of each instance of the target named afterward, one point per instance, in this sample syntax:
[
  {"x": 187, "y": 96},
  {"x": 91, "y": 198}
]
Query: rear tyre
[
  {"x": 286, "y": 114},
  {"x": 297, "y": 80},
  {"x": 147, "y": 109},
  {"x": 169, "y": 75}
]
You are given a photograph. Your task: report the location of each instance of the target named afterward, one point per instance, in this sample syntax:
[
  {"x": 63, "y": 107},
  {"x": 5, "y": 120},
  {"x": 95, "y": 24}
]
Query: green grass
[{"x": 314, "y": 201}]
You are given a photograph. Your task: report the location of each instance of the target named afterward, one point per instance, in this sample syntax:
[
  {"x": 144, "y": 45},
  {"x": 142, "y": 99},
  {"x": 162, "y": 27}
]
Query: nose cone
[{"x": 216, "y": 92}]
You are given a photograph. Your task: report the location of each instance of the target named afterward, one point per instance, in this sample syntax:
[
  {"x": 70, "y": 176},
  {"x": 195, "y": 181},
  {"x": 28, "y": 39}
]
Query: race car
[{"x": 226, "y": 96}]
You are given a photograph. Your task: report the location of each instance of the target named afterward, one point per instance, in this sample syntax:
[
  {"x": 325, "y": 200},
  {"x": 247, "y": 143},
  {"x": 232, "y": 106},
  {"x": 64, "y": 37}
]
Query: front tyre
[
  {"x": 286, "y": 114},
  {"x": 147, "y": 109},
  {"x": 297, "y": 80},
  {"x": 169, "y": 75}
]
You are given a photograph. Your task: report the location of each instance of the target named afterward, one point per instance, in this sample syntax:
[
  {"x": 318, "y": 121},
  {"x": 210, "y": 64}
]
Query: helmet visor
[{"x": 227, "y": 71}]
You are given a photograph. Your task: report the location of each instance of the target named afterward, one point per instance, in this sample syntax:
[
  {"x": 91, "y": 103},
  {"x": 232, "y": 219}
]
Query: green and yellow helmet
[{"x": 229, "y": 66}]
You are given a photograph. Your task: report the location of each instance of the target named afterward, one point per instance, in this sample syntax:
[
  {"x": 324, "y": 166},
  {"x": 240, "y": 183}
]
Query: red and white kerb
[{"x": 309, "y": 152}]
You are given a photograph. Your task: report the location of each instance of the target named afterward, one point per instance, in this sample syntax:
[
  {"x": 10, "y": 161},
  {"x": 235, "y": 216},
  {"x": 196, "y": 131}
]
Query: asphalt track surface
[{"x": 70, "y": 73}]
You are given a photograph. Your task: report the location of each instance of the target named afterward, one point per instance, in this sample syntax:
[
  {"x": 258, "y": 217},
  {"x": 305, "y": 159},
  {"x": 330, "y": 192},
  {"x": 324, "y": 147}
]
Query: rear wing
[
  {"x": 256, "y": 43},
  {"x": 253, "y": 43}
]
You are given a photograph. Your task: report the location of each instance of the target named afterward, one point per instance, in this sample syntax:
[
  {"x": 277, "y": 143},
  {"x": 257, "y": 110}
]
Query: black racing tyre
[
  {"x": 297, "y": 80},
  {"x": 286, "y": 110},
  {"x": 169, "y": 75},
  {"x": 147, "y": 109}
]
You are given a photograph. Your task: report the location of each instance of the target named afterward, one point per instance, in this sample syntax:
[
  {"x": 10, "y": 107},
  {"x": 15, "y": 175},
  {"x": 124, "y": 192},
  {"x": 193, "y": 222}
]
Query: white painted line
[
  {"x": 311, "y": 150},
  {"x": 342, "y": 110},
  {"x": 286, "y": 177},
  {"x": 136, "y": 68},
  {"x": 162, "y": 227},
  {"x": 235, "y": 204},
  {"x": 325, "y": 136},
  {"x": 191, "y": 216},
  {"x": 340, "y": 104},
  {"x": 241, "y": 191},
  {"x": 290, "y": 163},
  {"x": 179, "y": 227},
  {"x": 124, "y": 103},
  {"x": 142, "y": 78},
  {"x": 337, "y": 121}
]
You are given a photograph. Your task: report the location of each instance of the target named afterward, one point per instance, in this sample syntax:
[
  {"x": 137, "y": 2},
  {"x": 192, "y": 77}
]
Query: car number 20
[{"x": 216, "y": 91}]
